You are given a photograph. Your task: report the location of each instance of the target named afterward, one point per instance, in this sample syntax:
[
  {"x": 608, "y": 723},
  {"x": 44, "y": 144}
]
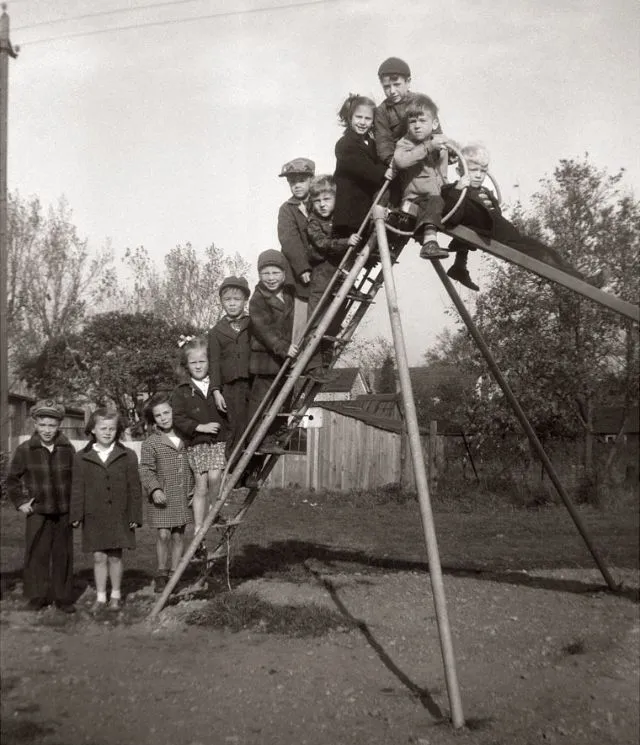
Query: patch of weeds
[
  {"x": 8, "y": 683},
  {"x": 16, "y": 732},
  {"x": 236, "y": 611},
  {"x": 577, "y": 646}
]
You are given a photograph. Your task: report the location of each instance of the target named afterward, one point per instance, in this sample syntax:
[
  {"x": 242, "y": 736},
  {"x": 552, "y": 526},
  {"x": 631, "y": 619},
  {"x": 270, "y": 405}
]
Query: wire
[
  {"x": 225, "y": 14},
  {"x": 115, "y": 11}
]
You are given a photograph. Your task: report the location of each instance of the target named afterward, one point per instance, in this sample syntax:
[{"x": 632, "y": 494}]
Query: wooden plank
[{"x": 502, "y": 251}]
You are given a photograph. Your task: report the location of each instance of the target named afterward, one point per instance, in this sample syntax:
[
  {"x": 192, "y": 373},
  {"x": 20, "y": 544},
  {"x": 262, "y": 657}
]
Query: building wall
[{"x": 343, "y": 454}]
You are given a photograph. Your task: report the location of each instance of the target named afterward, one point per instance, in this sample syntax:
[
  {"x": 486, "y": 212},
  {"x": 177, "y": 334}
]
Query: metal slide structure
[{"x": 363, "y": 271}]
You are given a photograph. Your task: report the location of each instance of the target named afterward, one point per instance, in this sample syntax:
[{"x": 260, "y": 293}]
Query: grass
[
  {"x": 382, "y": 531},
  {"x": 236, "y": 611}
]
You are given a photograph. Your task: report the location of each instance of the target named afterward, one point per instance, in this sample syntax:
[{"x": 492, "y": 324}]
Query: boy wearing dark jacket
[
  {"x": 292, "y": 223},
  {"x": 229, "y": 350},
  {"x": 39, "y": 484},
  {"x": 480, "y": 210},
  {"x": 271, "y": 309}
]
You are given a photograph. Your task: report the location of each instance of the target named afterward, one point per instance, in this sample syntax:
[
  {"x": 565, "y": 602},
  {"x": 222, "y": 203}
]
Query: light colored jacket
[{"x": 422, "y": 166}]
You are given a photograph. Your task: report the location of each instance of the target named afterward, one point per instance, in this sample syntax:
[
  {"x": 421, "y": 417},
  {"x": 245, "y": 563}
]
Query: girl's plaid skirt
[{"x": 206, "y": 457}]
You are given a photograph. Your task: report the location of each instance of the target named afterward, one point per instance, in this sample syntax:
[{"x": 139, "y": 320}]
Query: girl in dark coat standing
[
  {"x": 106, "y": 500},
  {"x": 359, "y": 172}
]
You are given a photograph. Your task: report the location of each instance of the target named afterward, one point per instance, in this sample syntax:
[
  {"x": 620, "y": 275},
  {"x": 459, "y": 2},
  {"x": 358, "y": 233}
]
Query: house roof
[
  {"x": 342, "y": 380},
  {"x": 387, "y": 405},
  {"x": 607, "y": 420},
  {"x": 352, "y": 410},
  {"x": 355, "y": 410}
]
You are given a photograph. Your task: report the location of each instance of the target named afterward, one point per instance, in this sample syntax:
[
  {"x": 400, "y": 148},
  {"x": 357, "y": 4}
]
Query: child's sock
[
  {"x": 102, "y": 597},
  {"x": 115, "y": 595}
]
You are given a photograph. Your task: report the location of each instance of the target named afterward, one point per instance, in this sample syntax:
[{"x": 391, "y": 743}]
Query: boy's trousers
[
  {"x": 48, "y": 561},
  {"x": 236, "y": 396},
  {"x": 260, "y": 385}
]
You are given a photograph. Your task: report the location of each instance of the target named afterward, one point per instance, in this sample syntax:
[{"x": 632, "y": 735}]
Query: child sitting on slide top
[
  {"x": 422, "y": 159},
  {"x": 480, "y": 210},
  {"x": 390, "y": 117}
]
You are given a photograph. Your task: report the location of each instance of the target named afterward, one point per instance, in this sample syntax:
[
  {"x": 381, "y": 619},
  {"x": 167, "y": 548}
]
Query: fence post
[{"x": 433, "y": 455}]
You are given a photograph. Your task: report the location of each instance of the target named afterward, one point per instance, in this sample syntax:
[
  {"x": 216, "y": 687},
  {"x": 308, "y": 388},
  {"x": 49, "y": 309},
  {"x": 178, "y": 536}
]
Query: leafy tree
[
  {"x": 386, "y": 376},
  {"x": 198, "y": 278},
  {"x": 122, "y": 357},
  {"x": 52, "y": 278},
  {"x": 562, "y": 354},
  {"x": 368, "y": 355}
]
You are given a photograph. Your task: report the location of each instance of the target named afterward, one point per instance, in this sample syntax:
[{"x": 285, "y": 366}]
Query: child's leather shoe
[{"x": 460, "y": 274}]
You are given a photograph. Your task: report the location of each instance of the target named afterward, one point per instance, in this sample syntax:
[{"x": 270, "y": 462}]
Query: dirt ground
[{"x": 543, "y": 656}]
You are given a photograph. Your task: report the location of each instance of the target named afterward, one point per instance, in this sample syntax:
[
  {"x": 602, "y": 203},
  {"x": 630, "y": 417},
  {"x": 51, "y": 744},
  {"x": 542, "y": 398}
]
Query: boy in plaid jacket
[{"x": 39, "y": 484}]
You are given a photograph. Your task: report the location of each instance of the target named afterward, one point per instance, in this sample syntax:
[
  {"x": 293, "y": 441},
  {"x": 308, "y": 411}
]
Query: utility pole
[{"x": 6, "y": 51}]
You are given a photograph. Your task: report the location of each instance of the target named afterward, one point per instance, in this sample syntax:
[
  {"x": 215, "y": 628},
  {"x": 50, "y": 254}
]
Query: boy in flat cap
[
  {"x": 229, "y": 357},
  {"x": 292, "y": 234},
  {"x": 39, "y": 484}
]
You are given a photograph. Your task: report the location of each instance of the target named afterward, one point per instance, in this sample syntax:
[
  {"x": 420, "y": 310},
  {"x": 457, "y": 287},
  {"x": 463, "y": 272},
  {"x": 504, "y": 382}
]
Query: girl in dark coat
[
  {"x": 359, "y": 172},
  {"x": 106, "y": 500},
  {"x": 198, "y": 421}
]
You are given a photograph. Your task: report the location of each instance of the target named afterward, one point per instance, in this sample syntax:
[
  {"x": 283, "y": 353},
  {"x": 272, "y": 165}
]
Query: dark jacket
[
  {"x": 106, "y": 497},
  {"x": 228, "y": 352},
  {"x": 359, "y": 175},
  {"x": 45, "y": 477},
  {"x": 292, "y": 234},
  {"x": 389, "y": 126},
  {"x": 271, "y": 327},
  {"x": 480, "y": 210},
  {"x": 474, "y": 211},
  {"x": 191, "y": 408},
  {"x": 323, "y": 246}
]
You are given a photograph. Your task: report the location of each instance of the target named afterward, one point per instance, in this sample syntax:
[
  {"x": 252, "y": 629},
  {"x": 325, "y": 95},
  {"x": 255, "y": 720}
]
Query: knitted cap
[
  {"x": 271, "y": 257},
  {"x": 394, "y": 66},
  {"x": 298, "y": 167},
  {"x": 47, "y": 407},
  {"x": 238, "y": 283}
]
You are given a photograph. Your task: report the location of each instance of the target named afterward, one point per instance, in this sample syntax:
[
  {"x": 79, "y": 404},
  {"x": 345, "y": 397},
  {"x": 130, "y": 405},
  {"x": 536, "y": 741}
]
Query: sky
[{"x": 174, "y": 129}]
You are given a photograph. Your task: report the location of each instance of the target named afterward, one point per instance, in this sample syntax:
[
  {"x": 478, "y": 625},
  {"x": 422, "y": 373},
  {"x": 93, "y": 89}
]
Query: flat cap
[
  {"x": 238, "y": 283},
  {"x": 47, "y": 407},
  {"x": 298, "y": 167}
]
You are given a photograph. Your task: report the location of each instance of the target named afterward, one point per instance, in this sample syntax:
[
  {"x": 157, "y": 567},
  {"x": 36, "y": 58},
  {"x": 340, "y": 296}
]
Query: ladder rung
[
  {"x": 336, "y": 339},
  {"x": 360, "y": 297},
  {"x": 226, "y": 524}
]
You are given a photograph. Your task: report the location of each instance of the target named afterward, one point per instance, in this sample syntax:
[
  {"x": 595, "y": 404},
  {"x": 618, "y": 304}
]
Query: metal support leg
[
  {"x": 435, "y": 570},
  {"x": 522, "y": 418}
]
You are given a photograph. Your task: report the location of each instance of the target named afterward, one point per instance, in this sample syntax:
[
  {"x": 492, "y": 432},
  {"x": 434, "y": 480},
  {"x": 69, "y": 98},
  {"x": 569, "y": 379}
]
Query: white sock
[
  {"x": 102, "y": 597},
  {"x": 115, "y": 595}
]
